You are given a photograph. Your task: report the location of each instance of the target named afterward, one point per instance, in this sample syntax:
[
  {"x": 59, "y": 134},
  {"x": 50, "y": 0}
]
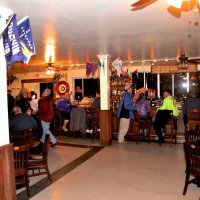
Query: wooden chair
[
  {"x": 16, "y": 135},
  {"x": 32, "y": 133},
  {"x": 21, "y": 155},
  {"x": 172, "y": 123},
  {"x": 192, "y": 136},
  {"x": 141, "y": 124},
  {"x": 38, "y": 163},
  {"x": 192, "y": 157},
  {"x": 95, "y": 123},
  {"x": 193, "y": 118}
]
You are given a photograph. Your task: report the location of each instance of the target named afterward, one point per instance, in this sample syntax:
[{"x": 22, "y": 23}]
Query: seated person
[
  {"x": 97, "y": 101},
  {"x": 78, "y": 94},
  {"x": 191, "y": 103},
  {"x": 95, "y": 105},
  {"x": 64, "y": 105},
  {"x": 143, "y": 107},
  {"x": 163, "y": 113},
  {"x": 21, "y": 121}
]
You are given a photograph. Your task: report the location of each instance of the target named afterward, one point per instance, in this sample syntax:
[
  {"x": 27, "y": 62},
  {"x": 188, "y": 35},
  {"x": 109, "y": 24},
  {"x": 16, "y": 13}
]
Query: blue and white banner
[
  {"x": 26, "y": 38},
  {"x": 11, "y": 42}
]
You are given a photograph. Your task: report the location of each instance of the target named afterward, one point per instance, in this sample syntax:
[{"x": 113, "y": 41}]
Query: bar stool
[
  {"x": 172, "y": 122},
  {"x": 141, "y": 124}
]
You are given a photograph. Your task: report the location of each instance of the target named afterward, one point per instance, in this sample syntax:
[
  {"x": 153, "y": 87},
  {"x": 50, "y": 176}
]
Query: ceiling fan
[
  {"x": 52, "y": 69},
  {"x": 184, "y": 59},
  {"x": 140, "y": 4}
]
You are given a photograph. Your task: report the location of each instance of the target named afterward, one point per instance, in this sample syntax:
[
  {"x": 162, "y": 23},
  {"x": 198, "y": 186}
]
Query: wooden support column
[
  {"x": 7, "y": 180},
  {"x": 7, "y": 176},
  {"x": 105, "y": 115}
]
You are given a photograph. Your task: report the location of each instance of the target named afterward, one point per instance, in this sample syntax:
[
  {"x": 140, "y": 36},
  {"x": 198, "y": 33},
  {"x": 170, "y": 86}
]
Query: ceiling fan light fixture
[{"x": 176, "y": 3}]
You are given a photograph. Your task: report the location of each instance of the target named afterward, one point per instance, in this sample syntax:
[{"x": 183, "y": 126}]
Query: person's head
[
  {"x": 129, "y": 88},
  {"x": 16, "y": 110},
  {"x": 97, "y": 93},
  {"x": 167, "y": 92},
  {"x": 46, "y": 92},
  {"x": 141, "y": 96},
  {"x": 28, "y": 111},
  {"x": 33, "y": 95},
  {"x": 67, "y": 95},
  {"x": 23, "y": 92}
]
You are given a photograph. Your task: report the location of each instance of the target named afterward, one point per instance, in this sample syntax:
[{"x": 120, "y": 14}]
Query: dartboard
[{"x": 62, "y": 87}]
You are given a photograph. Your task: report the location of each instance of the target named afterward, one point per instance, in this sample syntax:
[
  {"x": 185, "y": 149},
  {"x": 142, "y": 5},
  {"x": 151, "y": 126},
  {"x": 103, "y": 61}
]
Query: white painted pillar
[
  {"x": 104, "y": 82},
  {"x": 4, "y": 135},
  {"x": 188, "y": 82},
  {"x": 173, "y": 85},
  {"x": 158, "y": 85}
]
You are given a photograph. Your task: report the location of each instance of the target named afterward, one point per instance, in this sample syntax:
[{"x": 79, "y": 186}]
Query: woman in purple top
[
  {"x": 143, "y": 106},
  {"x": 64, "y": 105}
]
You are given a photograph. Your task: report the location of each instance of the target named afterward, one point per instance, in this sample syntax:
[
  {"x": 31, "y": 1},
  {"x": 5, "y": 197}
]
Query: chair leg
[
  {"x": 48, "y": 173},
  {"x": 186, "y": 183},
  {"x": 27, "y": 185},
  {"x": 149, "y": 135}
]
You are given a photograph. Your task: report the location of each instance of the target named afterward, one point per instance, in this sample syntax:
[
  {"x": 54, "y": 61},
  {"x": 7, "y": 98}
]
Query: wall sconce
[{"x": 50, "y": 71}]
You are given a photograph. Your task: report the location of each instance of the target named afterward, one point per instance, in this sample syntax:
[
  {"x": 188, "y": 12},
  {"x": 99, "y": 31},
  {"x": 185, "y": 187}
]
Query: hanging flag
[
  {"x": 94, "y": 67},
  {"x": 88, "y": 68},
  {"x": 11, "y": 42},
  {"x": 117, "y": 64},
  {"x": 26, "y": 38}
]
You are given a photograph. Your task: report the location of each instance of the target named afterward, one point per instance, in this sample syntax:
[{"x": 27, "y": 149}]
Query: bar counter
[{"x": 180, "y": 124}]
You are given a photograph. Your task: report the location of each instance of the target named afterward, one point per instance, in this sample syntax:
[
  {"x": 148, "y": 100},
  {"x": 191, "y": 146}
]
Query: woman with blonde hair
[{"x": 21, "y": 100}]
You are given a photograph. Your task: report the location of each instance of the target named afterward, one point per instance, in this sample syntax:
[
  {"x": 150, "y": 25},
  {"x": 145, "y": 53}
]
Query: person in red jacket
[{"x": 45, "y": 114}]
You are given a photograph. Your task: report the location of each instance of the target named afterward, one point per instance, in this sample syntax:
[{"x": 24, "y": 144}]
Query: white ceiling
[{"x": 82, "y": 29}]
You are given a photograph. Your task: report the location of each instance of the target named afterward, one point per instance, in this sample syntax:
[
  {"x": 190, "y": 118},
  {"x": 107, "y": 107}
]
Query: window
[{"x": 87, "y": 87}]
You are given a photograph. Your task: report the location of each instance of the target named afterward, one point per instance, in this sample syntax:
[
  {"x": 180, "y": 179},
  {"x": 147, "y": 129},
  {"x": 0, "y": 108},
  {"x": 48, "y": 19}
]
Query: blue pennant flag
[
  {"x": 26, "y": 38},
  {"x": 88, "y": 68},
  {"x": 94, "y": 67},
  {"x": 11, "y": 42}
]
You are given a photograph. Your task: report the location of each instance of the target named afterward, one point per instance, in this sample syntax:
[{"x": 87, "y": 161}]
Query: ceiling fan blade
[{"x": 141, "y": 3}]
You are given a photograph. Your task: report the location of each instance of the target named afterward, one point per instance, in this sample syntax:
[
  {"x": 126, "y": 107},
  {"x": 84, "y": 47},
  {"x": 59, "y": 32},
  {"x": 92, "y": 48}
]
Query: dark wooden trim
[
  {"x": 7, "y": 180},
  {"x": 40, "y": 80}
]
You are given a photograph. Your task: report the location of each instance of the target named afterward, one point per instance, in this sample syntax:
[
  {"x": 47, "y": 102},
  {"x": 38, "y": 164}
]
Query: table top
[{"x": 31, "y": 143}]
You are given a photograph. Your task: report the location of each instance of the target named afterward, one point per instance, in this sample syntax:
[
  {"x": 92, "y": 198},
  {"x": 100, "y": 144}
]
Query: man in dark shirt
[
  {"x": 191, "y": 103},
  {"x": 21, "y": 121}
]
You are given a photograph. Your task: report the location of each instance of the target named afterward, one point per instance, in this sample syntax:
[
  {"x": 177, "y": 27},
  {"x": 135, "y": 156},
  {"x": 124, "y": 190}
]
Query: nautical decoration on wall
[
  {"x": 62, "y": 87},
  {"x": 11, "y": 78},
  {"x": 57, "y": 77},
  {"x": 117, "y": 65}
]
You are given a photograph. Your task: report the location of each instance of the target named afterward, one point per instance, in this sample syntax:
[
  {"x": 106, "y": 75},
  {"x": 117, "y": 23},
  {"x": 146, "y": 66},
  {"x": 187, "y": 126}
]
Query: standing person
[
  {"x": 34, "y": 102},
  {"x": 125, "y": 113},
  {"x": 45, "y": 114},
  {"x": 11, "y": 101},
  {"x": 64, "y": 105},
  {"x": 21, "y": 100}
]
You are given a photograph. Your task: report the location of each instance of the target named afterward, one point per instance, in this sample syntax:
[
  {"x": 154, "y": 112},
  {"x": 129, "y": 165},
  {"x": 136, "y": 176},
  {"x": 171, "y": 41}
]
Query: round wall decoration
[{"x": 62, "y": 87}]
